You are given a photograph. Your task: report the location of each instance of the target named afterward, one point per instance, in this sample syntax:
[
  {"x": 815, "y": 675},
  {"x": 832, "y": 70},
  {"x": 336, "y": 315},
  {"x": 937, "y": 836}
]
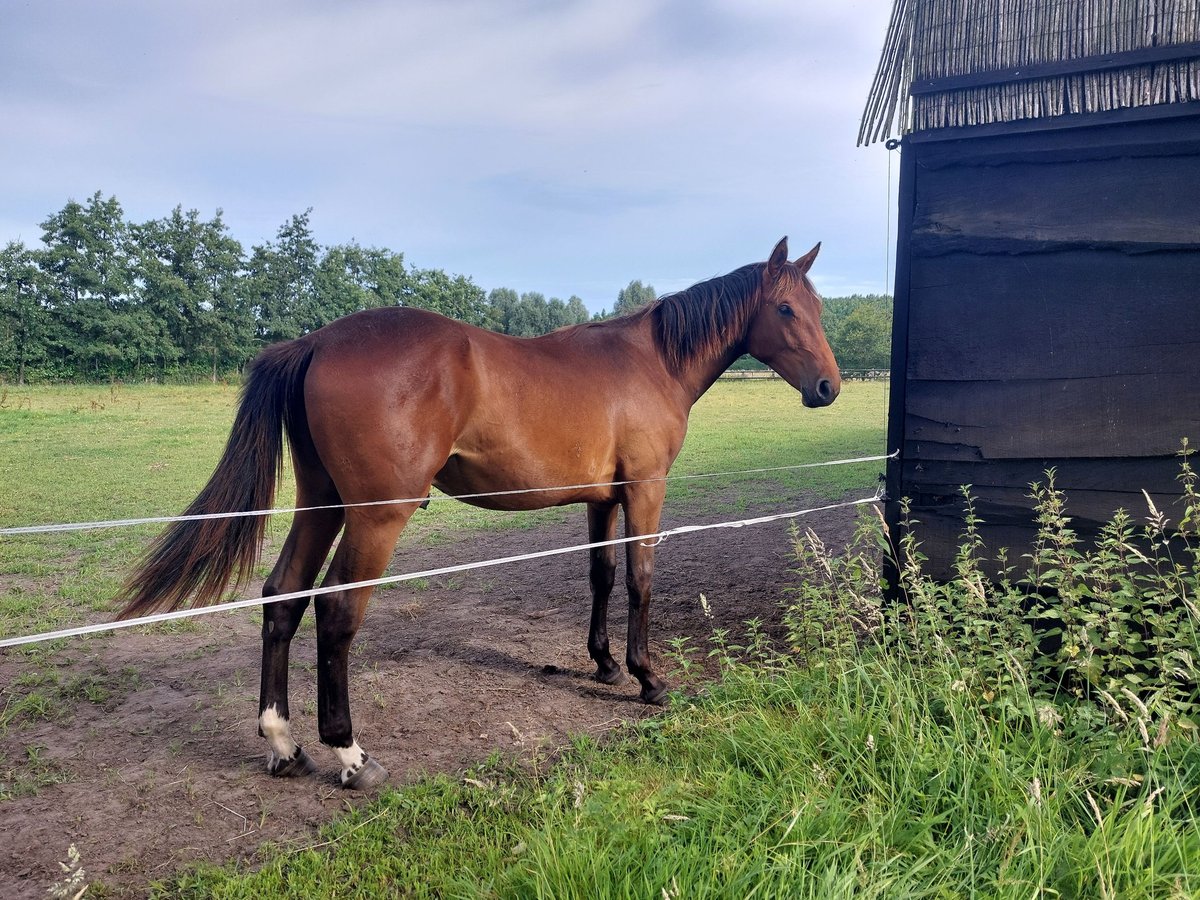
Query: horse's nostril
[{"x": 825, "y": 390}]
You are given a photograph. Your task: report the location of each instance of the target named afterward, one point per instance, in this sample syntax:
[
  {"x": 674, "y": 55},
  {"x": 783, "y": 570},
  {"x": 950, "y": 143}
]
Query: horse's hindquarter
[{"x": 384, "y": 397}]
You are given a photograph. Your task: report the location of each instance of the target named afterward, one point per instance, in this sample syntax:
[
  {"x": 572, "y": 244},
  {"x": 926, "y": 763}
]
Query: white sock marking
[
  {"x": 350, "y": 759},
  {"x": 278, "y": 732}
]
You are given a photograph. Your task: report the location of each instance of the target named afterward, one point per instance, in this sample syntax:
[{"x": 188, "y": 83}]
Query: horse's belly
[{"x": 516, "y": 481}]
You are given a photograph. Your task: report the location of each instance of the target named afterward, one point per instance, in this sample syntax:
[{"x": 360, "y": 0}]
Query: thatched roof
[{"x": 948, "y": 63}]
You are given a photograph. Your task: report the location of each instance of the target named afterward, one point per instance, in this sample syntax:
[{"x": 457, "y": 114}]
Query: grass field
[
  {"x": 84, "y": 453},
  {"x": 920, "y": 762}
]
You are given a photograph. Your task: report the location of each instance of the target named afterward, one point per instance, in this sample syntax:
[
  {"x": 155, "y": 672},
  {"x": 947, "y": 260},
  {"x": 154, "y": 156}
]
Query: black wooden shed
[{"x": 1047, "y": 295}]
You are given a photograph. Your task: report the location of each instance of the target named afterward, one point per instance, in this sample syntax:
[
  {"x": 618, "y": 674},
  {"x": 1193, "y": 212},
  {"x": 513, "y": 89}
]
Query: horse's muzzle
[{"x": 822, "y": 395}]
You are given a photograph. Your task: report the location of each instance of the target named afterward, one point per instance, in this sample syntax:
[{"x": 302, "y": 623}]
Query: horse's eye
[{"x": 785, "y": 311}]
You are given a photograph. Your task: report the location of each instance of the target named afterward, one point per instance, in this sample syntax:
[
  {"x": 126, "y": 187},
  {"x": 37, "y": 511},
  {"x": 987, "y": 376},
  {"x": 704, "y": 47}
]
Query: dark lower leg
[
  {"x": 637, "y": 654},
  {"x": 338, "y": 617},
  {"x": 602, "y": 522},
  {"x": 280, "y": 621},
  {"x": 643, "y": 506},
  {"x": 299, "y": 562},
  {"x": 363, "y": 554},
  {"x": 333, "y": 689}
]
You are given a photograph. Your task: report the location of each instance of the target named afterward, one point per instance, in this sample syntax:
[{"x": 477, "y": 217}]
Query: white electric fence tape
[
  {"x": 653, "y": 539},
  {"x": 158, "y": 520}
]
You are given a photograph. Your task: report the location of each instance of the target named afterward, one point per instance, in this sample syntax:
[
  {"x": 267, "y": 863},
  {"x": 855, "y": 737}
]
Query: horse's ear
[
  {"x": 778, "y": 259},
  {"x": 805, "y": 262}
]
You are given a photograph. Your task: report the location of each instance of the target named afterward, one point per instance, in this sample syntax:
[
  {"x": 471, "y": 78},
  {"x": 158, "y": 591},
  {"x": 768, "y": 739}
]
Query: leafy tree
[
  {"x": 859, "y": 329},
  {"x": 227, "y": 318},
  {"x": 166, "y": 269},
  {"x": 560, "y": 314},
  {"x": 457, "y": 297},
  {"x": 89, "y": 277},
  {"x": 385, "y": 276},
  {"x": 23, "y": 319},
  {"x": 281, "y": 283},
  {"x": 633, "y": 296},
  {"x": 531, "y": 314},
  {"x": 502, "y": 304},
  {"x": 864, "y": 339},
  {"x": 350, "y": 278},
  {"x": 576, "y": 312},
  {"x": 189, "y": 272},
  {"x": 106, "y": 298}
]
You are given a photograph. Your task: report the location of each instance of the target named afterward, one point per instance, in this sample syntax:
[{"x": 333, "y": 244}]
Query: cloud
[
  {"x": 430, "y": 63},
  {"x": 565, "y": 147},
  {"x": 575, "y": 197}
]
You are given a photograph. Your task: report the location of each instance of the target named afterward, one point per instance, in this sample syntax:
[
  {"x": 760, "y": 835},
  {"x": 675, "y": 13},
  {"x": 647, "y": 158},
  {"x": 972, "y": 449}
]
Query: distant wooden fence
[
  {"x": 748, "y": 374},
  {"x": 847, "y": 374}
]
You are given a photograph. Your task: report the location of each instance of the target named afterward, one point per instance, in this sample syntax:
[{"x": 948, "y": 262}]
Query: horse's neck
[
  {"x": 725, "y": 341},
  {"x": 699, "y": 375},
  {"x": 696, "y": 375}
]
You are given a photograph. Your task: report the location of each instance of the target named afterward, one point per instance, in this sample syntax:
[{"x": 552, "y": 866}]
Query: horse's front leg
[
  {"x": 602, "y": 526},
  {"x": 643, "y": 508}
]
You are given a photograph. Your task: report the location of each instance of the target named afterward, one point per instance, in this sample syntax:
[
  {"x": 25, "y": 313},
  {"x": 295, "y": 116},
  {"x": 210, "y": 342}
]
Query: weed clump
[{"x": 1114, "y": 623}]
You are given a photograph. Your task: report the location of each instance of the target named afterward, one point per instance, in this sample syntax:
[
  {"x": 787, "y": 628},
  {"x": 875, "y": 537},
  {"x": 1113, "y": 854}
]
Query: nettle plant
[
  {"x": 1122, "y": 614},
  {"x": 1115, "y": 621}
]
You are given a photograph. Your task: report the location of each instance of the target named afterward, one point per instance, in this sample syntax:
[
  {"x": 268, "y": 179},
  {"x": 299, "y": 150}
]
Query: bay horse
[{"x": 385, "y": 403}]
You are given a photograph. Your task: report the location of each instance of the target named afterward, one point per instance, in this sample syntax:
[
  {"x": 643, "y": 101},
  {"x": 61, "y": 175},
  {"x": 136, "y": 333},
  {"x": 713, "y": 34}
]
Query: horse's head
[{"x": 786, "y": 331}]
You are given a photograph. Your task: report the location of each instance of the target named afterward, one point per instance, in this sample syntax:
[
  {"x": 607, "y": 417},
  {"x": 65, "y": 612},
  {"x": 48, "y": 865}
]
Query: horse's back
[{"x": 396, "y": 393}]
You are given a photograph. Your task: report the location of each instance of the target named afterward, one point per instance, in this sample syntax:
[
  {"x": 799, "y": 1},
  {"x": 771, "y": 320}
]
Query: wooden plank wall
[{"x": 1052, "y": 317}]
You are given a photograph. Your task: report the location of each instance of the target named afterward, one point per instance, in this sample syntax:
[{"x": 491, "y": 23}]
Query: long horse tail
[{"x": 196, "y": 558}]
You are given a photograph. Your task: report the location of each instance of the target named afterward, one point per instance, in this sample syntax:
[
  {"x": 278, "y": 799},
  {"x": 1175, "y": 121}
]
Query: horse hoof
[
  {"x": 610, "y": 676},
  {"x": 299, "y": 765},
  {"x": 369, "y": 775},
  {"x": 655, "y": 694}
]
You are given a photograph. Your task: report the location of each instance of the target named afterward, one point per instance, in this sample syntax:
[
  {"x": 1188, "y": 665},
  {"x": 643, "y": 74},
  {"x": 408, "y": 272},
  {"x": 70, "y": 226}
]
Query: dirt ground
[{"x": 156, "y": 756}]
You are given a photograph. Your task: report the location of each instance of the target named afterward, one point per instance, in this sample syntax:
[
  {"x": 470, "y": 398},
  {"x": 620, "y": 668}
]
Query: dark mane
[{"x": 704, "y": 320}]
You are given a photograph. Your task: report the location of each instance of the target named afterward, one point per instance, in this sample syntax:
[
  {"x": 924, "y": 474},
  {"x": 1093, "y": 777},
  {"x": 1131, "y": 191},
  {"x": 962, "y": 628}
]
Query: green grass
[
  {"x": 45, "y": 692},
  {"x": 26, "y": 777},
  {"x": 83, "y": 453},
  {"x": 761, "y": 424},
  {"x": 871, "y": 778}
]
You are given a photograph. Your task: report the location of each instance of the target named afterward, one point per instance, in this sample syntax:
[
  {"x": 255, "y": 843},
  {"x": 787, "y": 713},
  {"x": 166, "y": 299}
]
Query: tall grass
[{"x": 925, "y": 749}]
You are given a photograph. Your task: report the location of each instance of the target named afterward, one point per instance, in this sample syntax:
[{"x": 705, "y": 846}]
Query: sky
[{"x": 559, "y": 146}]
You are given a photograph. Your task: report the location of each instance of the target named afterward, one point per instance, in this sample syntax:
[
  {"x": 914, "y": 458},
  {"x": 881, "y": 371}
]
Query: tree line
[
  {"x": 180, "y": 298},
  {"x": 859, "y": 329}
]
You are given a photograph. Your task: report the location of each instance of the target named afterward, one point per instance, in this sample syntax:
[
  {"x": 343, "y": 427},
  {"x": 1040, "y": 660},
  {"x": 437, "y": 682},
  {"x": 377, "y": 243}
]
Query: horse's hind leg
[
  {"x": 363, "y": 554},
  {"x": 299, "y": 563},
  {"x": 602, "y": 526}
]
